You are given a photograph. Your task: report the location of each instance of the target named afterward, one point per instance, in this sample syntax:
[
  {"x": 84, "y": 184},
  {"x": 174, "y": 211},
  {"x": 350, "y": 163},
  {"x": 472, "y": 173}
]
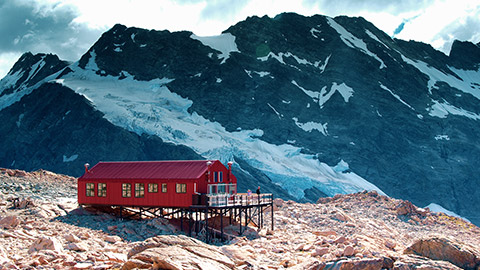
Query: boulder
[
  {"x": 71, "y": 238},
  {"x": 237, "y": 254},
  {"x": 76, "y": 246},
  {"x": 45, "y": 242},
  {"x": 445, "y": 250},
  {"x": 320, "y": 251},
  {"x": 278, "y": 202},
  {"x": 112, "y": 238},
  {"x": 324, "y": 233},
  {"x": 177, "y": 252},
  {"x": 348, "y": 251},
  {"x": 9, "y": 222},
  {"x": 23, "y": 203},
  {"x": 405, "y": 208},
  {"x": 411, "y": 261}
]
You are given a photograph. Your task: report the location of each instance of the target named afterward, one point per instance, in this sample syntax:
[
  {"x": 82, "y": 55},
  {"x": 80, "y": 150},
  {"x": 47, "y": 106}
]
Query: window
[
  {"x": 181, "y": 188},
  {"x": 164, "y": 188},
  {"x": 153, "y": 188},
  {"x": 139, "y": 190},
  {"x": 126, "y": 190},
  {"x": 90, "y": 189},
  {"x": 102, "y": 190},
  {"x": 217, "y": 177}
]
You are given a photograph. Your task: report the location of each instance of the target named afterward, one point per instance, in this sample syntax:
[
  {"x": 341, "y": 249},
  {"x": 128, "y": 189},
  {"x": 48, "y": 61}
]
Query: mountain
[{"x": 305, "y": 106}]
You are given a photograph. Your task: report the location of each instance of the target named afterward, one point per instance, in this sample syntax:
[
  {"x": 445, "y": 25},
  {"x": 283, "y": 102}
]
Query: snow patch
[
  {"x": 352, "y": 41},
  {"x": 323, "y": 96},
  {"x": 374, "y": 37},
  {"x": 322, "y": 67},
  {"x": 224, "y": 43},
  {"x": 36, "y": 68},
  {"x": 314, "y": 31},
  {"x": 92, "y": 64},
  {"x": 276, "y": 112},
  {"x": 442, "y": 137},
  {"x": 19, "y": 121},
  {"x": 279, "y": 57},
  {"x": 442, "y": 110},
  {"x": 309, "y": 126},
  {"x": 70, "y": 158},
  {"x": 10, "y": 80},
  {"x": 342, "y": 166},
  {"x": 396, "y": 96},
  {"x": 467, "y": 84}
]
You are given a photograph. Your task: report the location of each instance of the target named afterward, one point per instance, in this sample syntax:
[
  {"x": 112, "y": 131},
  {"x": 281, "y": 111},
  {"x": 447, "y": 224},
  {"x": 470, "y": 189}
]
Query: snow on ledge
[
  {"x": 224, "y": 43},
  {"x": 436, "y": 208}
]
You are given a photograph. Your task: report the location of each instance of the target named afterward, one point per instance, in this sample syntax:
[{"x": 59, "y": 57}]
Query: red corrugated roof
[{"x": 181, "y": 169}]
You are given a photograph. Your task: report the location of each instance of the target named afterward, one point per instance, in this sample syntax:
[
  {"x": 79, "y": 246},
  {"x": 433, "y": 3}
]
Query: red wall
[{"x": 159, "y": 199}]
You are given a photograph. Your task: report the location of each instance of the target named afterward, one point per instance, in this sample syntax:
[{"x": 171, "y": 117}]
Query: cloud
[
  {"x": 348, "y": 6},
  {"x": 42, "y": 28},
  {"x": 460, "y": 30},
  {"x": 444, "y": 21}
]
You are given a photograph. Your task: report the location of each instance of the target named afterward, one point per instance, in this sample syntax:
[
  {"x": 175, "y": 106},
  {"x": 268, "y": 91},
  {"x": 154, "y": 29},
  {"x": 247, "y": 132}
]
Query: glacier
[{"x": 149, "y": 107}]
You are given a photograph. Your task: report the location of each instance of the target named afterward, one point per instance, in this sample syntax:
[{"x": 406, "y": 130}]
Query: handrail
[{"x": 239, "y": 199}]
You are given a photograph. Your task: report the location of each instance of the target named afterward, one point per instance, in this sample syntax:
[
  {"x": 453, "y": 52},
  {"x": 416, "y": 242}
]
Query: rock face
[
  {"x": 177, "y": 252},
  {"x": 445, "y": 250},
  {"x": 287, "y": 98}
]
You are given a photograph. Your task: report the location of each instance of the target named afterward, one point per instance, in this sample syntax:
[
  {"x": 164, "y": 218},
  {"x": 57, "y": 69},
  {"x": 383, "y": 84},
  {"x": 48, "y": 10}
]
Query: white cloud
[{"x": 6, "y": 62}]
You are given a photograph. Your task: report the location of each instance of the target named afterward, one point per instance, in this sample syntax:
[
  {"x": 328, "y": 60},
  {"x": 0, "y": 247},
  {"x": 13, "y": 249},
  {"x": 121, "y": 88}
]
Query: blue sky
[{"x": 69, "y": 27}]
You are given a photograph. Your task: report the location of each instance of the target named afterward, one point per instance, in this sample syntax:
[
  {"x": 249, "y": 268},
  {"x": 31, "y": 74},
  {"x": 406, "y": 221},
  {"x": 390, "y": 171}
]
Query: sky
[{"x": 68, "y": 28}]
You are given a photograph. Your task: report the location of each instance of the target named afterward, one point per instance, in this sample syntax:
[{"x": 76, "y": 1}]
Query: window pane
[
  {"x": 139, "y": 190},
  {"x": 164, "y": 188},
  {"x": 90, "y": 189},
  {"x": 126, "y": 190},
  {"x": 181, "y": 188},
  {"x": 102, "y": 190},
  {"x": 220, "y": 176},
  {"x": 153, "y": 188}
]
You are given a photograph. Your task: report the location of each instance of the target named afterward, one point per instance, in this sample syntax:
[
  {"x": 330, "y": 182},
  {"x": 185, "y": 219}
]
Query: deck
[{"x": 239, "y": 199}]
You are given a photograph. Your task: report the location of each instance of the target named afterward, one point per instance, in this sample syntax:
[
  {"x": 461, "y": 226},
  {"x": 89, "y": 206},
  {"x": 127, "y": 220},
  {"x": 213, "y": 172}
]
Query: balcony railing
[{"x": 239, "y": 199}]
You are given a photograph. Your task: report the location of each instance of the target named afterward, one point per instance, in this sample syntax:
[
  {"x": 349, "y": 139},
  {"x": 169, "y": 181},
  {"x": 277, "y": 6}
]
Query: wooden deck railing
[{"x": 239, "y": 199}]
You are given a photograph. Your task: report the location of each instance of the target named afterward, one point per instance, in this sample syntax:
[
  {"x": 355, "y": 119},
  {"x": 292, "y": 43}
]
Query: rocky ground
[{"x": 42, "y": 227}]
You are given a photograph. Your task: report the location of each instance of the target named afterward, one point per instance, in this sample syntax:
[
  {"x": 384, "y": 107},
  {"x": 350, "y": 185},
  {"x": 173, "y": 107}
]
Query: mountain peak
[
  {"x": 465, "y": 54},
  {"x": 29, "y": 70}
]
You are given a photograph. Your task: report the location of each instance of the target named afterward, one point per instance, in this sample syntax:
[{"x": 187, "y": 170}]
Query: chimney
[
  {"x": 86, "y": 168},
  {"x": 209, "y": 163},
  {"x": 230, "y": 163}
]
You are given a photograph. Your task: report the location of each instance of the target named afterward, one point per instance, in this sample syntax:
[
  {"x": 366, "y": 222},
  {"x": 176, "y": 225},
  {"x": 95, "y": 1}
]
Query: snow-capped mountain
[{"x": 305, "y": 106}]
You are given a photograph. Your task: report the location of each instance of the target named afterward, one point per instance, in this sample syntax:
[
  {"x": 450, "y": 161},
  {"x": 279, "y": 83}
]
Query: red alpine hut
[{"x": 176, "y": 184}]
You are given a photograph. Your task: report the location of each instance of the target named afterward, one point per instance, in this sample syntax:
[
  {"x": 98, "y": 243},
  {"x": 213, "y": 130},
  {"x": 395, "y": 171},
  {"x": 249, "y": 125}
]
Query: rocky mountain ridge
[
  {"x": 306, "y": 106},
  {"x": 41, "y": 226}
]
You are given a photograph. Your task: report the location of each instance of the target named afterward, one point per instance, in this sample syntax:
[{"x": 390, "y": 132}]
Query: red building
[{"x": 154, "y": 183}]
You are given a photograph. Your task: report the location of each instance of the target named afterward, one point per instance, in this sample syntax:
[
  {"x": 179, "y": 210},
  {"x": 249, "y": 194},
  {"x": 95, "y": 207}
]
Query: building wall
[{"x": 159, "y": 199}]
